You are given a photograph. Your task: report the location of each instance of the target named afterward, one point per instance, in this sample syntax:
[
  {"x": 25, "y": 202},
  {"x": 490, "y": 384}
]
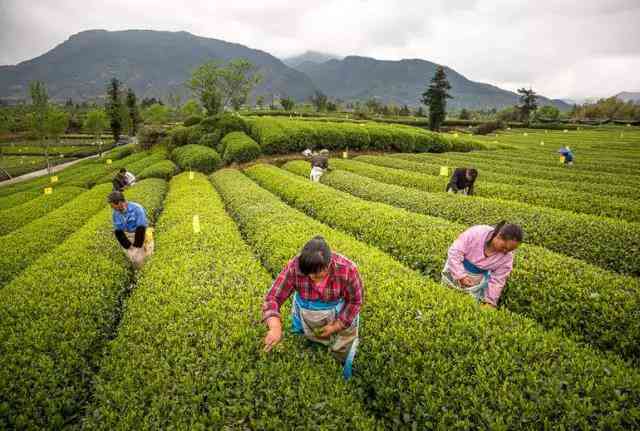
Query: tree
[
  {"x": 218, "y": 87},
  {"x": 435, "y": 98},
  {"x": 260, "y": 101},
  {"x": 95, "y": 123},
  {"x": 548, "y": 112},
  {"x": 464, "y": 114},
  {"x": 319, "y": 100},
  {"x": 528, "y": 103},
  {"x": 332, "y": 106},
  {"x": 148, "y": 101},
  {"x": 133, "y": 111},
  {"x": 405, "y": 111},
  {"x": 373, "y": 106},
  {"x": 191, "y": 109},
  {"x": 56, "y": 123},
  {"x": 156, "y": 114},
  {"x": 38, "y": 118},
  {"x": 287, "y": 103},
  {"x": 175, "y": 100},
  {"x": 114, "y": 110}
]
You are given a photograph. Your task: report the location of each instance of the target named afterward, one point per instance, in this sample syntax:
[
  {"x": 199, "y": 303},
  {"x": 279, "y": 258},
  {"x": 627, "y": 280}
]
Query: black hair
[
  {"x": 315, "y": 256},
  {"x": 473, "y": 172},
  {"x": 123, "y": 170},
  {"x": 507, "y": 231},
  {"x": 116, "y": 197}
]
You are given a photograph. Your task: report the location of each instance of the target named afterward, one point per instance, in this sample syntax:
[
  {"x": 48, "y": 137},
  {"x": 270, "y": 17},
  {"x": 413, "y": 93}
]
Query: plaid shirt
[{"x": 344, "y": 283}]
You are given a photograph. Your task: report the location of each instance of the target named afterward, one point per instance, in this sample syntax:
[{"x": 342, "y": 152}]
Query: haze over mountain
[
  {"x": 627, "y": 96},
  {"x": 155, "y": 63},
  {"x": 402, "y": 82},
  {"x": 309, "y": 56}
]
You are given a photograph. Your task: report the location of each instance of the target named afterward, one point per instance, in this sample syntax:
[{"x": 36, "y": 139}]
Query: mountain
[
  {"x": 310, "y": 57},
  {"x": 627, "y": 96},
  {"x": 153, "y": 63},
  {"x": 403, "y": 81}
]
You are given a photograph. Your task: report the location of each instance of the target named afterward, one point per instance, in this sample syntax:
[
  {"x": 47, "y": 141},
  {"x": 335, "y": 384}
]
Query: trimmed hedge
[
  {"x": 586, "y": 203},
  {"x": 197, "y": 158},
  {"x": 430, "y": 358},
  {"x": 136, "y": 166},
  {"x": 120, "y": 152},
  {"x": 211, "y": 139},
  {"x": 26, "y": 244},
  {"x": 237, "y": 147},
  {"x": 192, "y": 121},
  {"x": 487, "y": 172},
  {"x": 609, "y": 243},
  {"x": 56, "y": 317},
  {"x": 277, "y": 135},
  {"x": 181, "y": 136},
  {"x": 164, "y": 169},
  {"x": 586, "y": 302},
  {"x": 15, "y": 199},
  {"x": 191, "y": 334},
  {"x": 18, "y": 216}
]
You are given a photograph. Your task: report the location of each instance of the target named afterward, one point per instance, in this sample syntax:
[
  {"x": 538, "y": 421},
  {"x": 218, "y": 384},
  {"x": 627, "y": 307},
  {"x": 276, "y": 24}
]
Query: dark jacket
[
  {"x": 320, "y": 161},
  {"x": 119, "y": 182},
  {"x": 459, "y": 181}
]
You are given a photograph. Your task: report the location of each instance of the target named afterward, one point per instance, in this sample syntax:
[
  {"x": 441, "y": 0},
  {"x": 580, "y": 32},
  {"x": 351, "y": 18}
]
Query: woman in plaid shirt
[{"x": 327, "y": 296}]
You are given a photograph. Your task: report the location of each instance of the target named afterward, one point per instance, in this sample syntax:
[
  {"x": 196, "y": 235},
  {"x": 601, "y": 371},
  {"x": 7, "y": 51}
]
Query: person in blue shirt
[
  {"x": 130, "y": 228},
  {"x": 567, "y": 154}
]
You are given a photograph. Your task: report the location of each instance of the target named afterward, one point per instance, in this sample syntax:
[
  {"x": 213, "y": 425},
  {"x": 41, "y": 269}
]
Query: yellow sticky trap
[
  {"x": 455, "y": 135},
  {"x": 565, "y": 131},
  {"x": 444, "y": 171},
  {"x": 191, "y": 176},
  {"x": 525, "y": 134},
  {"x": 546, "y": 131},
  {"x": 109, "y": 161},
  {"x": 48, "y": 190},
  {"x": 54, "y": 179},
  {"x": 541, "y": 142},
  {"x": 561, "y": 159},
  {"x": 628, "y": 124},
  {"x": 345, "y": 155},
  {"x": 148, "y": 235},
  {"x": 196, "y": 223}
]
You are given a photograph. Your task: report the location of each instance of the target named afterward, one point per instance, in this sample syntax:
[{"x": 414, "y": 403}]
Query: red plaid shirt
[{"x": 344, "y": 283}]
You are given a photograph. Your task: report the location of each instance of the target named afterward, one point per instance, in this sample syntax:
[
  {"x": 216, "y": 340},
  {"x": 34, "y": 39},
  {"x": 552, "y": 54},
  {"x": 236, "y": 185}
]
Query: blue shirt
[
  {"x": 131, "y": 219},
  {"x": 568, "y": 155}
]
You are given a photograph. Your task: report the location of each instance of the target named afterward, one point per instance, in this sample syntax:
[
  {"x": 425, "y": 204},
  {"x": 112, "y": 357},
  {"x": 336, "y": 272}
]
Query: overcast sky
[{"x": 562, "y": 48}]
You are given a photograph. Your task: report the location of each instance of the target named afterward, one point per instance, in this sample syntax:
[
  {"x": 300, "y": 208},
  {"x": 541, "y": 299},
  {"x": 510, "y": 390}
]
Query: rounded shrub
[
  {"x": 192, "y": 121},
  {"x": 181, "y": 136},
  {"x": 197, "y": 158},
  {"x": 211, "y": 140},
  {"x": 149, "y": 136},
  {"x": 239, "y": 148},
  {"x": 164, "y": 169}
]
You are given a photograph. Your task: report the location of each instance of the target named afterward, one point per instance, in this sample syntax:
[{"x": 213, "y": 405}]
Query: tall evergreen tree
[
  {"x": 134, "y": 113},
  {"x": 113, "y": 107},
  {"x": 436, "y": 98},
  {"x": 528, "y": 103}
]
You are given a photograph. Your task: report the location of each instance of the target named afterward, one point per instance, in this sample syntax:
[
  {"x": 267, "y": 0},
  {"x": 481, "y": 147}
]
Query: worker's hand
[
  {"x": 274, "y": 335},
  {"x": 331, "y": 328},
  {"x": 466, "y": 281},
  {"x": 487, "y": 306}
]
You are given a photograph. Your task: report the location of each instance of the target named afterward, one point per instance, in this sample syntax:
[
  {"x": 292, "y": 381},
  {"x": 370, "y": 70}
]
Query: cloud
[{"x": 563, "y": 48}]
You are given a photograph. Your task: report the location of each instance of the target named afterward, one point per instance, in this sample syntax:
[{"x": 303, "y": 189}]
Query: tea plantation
[{"x": 87, "y": 343}]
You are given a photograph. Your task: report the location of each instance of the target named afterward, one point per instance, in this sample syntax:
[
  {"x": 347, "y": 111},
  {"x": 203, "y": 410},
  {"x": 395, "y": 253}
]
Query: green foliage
[
  {"x": 148, "y": 136},
  {"x": 133, "y": 111},
  {"x": 197, "y": 158},
  {"x": 96, "y": 122},
  {"x": 191, "y": 109},
  {"x": 58, "y": 315},
  {"x": 528, "y": 103},
  {"x": 548, "y": 113},
  {"x": 192, "y": 121},
  {"x": 546, "y": 286},
  {"x": 120, "y": 152},
  {"x": 287, "y": 103},
  {"x": 113, "y": 105},
  {"x": 433, "y": 359},
  {"x": 16, "y": 199},
  {"x": 18, "y": 216},
  {"x": 237, "y": 147},
  {"x": 585, "y": 203},
  {"x": 487, "y": 128},
  {"x": 211, "y": 139},
  {"x": 156, "y": 114},
  {"x": 435, "y": 98},
  {"x": 181, "y": 136},
  {"x": 164, "y": 169},
  {"x": 207, "y": 287}
]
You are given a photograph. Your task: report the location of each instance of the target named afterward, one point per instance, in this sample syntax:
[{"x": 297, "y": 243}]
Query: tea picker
[
  {"x": 327, "y": 296},
  {"x": 131, "y": 229},
  {"x": 462, "y": 180},
  {"x": 566, "y": 156},
  {"x": 319, "y": 163},
  {"x": 480, "y": 261}
]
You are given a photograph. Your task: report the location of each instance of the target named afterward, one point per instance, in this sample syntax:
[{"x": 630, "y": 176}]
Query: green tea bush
[
  {"x": 18, "y": 198},
  {"x": 45, "y": 233},
  {"x": 211, "y": 140},
  {"x": 120, "y": 152},
  {"x": 197, "y": 158},
  {"x": 207, "y": 370},
  {"x": 164, "y": 169},
  {"x": 546, "y": 286},
  {"x": 181, "y": 136},
  {"x": 57, "y": 316},
  {"x": 586, "y": 203},
  {"x": 192, "y": 121},
  {"x": 148, "y": 136},
  {"x": 18, "y": 216},
  {"x": 430, "y": 358},
  {"x": 237, "y": 147}
]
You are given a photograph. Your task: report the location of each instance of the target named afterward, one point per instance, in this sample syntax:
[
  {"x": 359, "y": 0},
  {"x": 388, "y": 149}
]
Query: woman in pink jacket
[{"x": 481, "y": 259}]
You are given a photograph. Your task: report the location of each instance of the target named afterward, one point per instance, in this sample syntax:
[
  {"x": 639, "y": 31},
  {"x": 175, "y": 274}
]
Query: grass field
[{"x": 87, "y": 343}]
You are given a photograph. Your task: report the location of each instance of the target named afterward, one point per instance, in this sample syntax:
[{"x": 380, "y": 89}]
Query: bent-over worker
[
  {"x": 566, "y": 155},
  {"x": 131, "y": 228},
  {"x": 462, "y": 180},
  {"x": 319, "y": 164},
  {"x": 327, "y": 296},
  {"x": 481, "y": 259}
]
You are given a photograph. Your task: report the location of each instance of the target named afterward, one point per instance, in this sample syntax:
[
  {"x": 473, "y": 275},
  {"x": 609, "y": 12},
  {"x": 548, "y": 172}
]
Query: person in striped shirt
[
  {"x": 327, "y": 297},
  {"x": 481, "y": 259}
]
